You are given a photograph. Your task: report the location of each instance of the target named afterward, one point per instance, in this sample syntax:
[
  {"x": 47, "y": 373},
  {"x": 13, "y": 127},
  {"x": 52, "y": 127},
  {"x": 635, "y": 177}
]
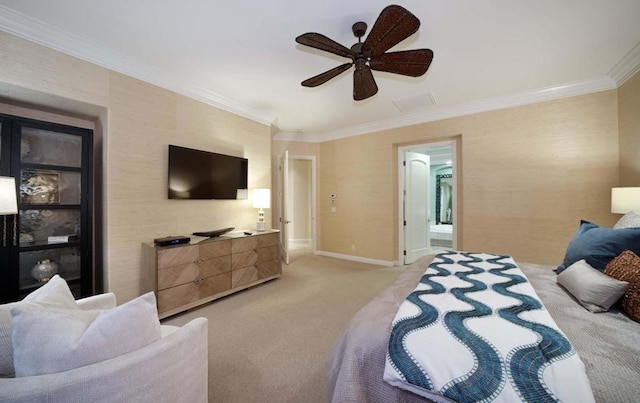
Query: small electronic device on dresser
[{"x": 171, "y": 240}]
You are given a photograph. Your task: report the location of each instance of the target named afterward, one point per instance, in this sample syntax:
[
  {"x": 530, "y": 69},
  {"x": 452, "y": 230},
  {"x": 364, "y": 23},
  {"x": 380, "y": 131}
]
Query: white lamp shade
[
  {"x": 8, "y": 201},
  {"x": 624, "y": 200},
  {"x": 261, "y": 198}
]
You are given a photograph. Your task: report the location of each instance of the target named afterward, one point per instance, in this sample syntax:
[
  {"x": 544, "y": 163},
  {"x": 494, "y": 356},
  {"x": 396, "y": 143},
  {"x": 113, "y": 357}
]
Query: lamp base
[{"x": 260, "y": 227}]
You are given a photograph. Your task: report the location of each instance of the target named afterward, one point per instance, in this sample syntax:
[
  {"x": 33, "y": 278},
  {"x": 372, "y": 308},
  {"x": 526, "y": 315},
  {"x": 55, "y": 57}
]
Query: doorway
[
  {"x": 427, "y": 199},
  {"x": 298, "y": 206}
]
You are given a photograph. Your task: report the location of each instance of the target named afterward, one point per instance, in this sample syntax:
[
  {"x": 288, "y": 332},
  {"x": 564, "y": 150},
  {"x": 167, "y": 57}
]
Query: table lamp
[
  {"x": 261, "y": 200},
  {"x": 8, "y": 204},
  {"x": 624, "y": 200}
]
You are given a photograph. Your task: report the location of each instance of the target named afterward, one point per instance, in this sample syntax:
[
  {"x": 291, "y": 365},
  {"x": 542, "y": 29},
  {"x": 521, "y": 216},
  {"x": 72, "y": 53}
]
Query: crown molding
[
  {"x": 627, "y": 67},
  {"x": 36, "y": 31},
  {"x": 597, "y": 84}
]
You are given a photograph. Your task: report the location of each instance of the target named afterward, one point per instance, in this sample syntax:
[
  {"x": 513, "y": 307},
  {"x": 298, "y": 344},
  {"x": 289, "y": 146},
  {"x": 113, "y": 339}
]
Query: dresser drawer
[
  {"x": 216, "y": 265},
  {"x": 175, "y": 297},
  {"x": 268, "y": 253},
  {"x": 268, "y": 268},
  {"x": 268, "y": 240},
  {"x": 184, "y": 294},
  {"x": 213, "y": 249},
  {"x": 244, "y": 244},
  {"x": 177, "y": 255},
  {"x": 244, "y": 276},
  {"x": 243, "y": 259},
  {"x": 249, "y": 274},
  {"x": 177, "y": 275},
  {"x": 215, "y": 285}
]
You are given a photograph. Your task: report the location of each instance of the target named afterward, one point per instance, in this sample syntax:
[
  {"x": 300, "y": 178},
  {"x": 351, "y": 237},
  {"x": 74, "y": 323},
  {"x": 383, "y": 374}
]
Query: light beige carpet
[{"x": 269, "y": 343}]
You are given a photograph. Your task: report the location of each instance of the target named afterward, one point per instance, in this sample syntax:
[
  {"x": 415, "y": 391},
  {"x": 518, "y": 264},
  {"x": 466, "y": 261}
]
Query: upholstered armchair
[{"x": 172, "y": 368}]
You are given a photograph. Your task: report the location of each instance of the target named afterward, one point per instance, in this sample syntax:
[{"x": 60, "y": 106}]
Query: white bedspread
[{"x": 474, "y": 330}]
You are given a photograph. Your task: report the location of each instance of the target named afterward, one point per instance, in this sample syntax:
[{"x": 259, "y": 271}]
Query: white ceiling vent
[{"x": 414, "y": 102}]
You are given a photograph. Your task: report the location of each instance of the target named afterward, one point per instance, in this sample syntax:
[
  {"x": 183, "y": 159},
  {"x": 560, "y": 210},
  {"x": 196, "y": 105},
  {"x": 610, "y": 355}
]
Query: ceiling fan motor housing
[{"x": 359, "y": 28}]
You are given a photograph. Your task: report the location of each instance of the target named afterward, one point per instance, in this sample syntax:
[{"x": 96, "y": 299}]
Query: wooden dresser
[{"x": 192, "y": 274}]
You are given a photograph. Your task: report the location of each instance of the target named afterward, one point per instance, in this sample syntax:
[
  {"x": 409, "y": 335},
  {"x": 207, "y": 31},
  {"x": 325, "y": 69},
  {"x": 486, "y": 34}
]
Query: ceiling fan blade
[
  {"x": 364, "y": 86},
  {"x": 412, "y": 63},
  {"x": 394, "y": 24},
  {"x": 326, "y": 76},
  {"x": 321, "y": 42}
]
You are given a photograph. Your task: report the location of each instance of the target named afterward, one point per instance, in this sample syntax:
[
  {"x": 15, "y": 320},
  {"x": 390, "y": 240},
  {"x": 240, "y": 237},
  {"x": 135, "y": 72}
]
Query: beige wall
[
  {"x": 629, "y": 122},
  {"x": 527, "y": 176},
  {"x": 140, "y": 120}
]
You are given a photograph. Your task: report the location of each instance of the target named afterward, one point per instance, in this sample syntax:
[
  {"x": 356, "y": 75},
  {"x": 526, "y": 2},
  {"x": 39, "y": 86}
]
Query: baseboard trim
[
  {"x": 356, "y": 258},
  {"x": 300, "y": 241}
]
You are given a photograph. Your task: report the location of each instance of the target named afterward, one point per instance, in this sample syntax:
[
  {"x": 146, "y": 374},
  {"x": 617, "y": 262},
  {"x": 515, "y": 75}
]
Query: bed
[{"x": 607, "y": 343}]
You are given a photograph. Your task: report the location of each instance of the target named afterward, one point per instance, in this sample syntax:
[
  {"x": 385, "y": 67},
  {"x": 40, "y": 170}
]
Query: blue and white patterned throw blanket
[{"x": 474, "y": 330}]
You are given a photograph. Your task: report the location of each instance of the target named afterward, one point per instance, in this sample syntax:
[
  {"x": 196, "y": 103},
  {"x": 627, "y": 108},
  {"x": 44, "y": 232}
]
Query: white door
[
  {"x": 283, "y": 184},
  {"x": 416, "y": 206}
]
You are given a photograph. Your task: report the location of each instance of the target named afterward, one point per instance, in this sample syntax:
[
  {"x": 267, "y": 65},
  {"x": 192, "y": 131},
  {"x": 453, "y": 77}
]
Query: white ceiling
[{"x": 241, "y": 55}]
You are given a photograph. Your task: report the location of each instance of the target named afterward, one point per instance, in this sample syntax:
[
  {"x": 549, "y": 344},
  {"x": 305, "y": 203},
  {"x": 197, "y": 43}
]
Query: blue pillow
[{"x": 599, "y": 245}]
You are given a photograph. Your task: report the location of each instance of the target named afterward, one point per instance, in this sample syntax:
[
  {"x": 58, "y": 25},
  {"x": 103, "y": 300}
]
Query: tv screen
[{"x": 195, "y": 174}]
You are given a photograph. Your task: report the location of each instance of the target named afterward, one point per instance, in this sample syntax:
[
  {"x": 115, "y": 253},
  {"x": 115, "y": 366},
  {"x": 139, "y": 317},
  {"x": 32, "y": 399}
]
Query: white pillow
[
  {"x": 629, "y": 220},
  {"x": 593, "y": 289},
  {"x": 54, "y": 294},
  {"x": 49, "y": 340}
]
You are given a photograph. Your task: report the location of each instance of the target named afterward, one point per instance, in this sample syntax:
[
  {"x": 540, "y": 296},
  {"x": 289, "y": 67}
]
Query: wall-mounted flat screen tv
[{"x": 196, "y": 174}]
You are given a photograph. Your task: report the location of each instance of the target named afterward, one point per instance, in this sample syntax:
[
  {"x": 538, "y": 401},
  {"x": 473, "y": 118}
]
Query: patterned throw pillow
[
  {"x": 626, "y": 267},
  {"x": 629, "y": 220}
]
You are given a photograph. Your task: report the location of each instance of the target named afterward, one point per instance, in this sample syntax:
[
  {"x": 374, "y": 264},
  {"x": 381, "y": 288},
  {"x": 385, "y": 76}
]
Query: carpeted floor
[{"x": 269, "y": 343}]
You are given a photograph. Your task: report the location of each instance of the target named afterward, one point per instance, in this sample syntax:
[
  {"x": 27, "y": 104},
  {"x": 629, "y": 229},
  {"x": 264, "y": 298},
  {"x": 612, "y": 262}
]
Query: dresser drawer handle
[
  {"x": 198, "y": 261},
  {"x": 198, "y": 280}
]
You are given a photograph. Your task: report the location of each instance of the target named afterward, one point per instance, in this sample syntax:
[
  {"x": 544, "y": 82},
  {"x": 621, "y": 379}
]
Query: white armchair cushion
[
  {"x": 100, "y": 301},
  {"x": 54, "y": 294},
  {"x": 50, "y": 340}
]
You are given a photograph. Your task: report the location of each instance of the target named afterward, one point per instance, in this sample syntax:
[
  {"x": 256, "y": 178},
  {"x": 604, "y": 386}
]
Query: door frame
[
  {"x": 314, "y": 187},
  {"x": 400, "y": 190},
  {"x": 311, "y": 158}
]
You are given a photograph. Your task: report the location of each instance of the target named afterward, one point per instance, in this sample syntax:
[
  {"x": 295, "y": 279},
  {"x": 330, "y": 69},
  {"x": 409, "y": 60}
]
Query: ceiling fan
[{"x": 394, "y": 24}]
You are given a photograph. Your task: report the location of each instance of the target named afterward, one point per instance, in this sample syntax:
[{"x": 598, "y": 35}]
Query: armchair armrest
[{"x": 100, "y": 301}]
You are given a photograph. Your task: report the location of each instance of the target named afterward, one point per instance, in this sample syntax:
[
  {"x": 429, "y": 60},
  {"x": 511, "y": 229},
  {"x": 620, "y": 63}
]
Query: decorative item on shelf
[
  {"x": 40, "y": 187},
  {"x": 8, "y": 205},
  {"x": 261, "y": 200},
  {"x": 26, "y": 238},
  {"x": 62, "y": 238},
  {"x": 624, "y": 200},
  {"x": 44, "y": 270}
]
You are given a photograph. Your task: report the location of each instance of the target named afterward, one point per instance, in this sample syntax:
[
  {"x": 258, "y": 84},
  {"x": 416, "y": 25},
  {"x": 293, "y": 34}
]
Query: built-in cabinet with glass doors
[{"x": 52, "y": 231}]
